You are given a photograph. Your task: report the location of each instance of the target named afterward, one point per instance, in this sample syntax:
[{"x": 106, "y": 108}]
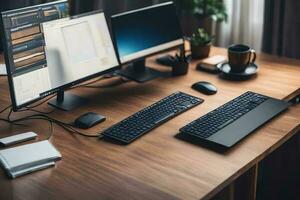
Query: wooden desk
[{"x": 157, "y": 166}]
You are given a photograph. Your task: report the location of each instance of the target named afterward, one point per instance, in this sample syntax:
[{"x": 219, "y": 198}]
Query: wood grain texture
[{"x": 156, "y": 166}]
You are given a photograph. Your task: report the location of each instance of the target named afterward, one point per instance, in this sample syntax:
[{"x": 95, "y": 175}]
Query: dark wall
[{"x": 110, "y": 7}]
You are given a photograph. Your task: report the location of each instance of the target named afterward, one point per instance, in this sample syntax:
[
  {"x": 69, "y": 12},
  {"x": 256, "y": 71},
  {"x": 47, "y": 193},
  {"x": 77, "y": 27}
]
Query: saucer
[{"x": 226, "y": 72}]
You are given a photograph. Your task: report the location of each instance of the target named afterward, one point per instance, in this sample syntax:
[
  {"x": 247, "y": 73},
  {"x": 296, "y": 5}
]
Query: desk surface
[{"x": 156, "y": 166}]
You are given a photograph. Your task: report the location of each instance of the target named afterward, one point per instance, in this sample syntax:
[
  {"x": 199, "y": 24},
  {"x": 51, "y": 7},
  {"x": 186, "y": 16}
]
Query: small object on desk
[
  {"x": 248, "y": 73},
  {"x": 211, "y": 64},
  {"x": 150, "y": 117},
  {"x": 169, "y": 61},
  {"x": 15, "y": 139},
  {"x": 181, "y": 66},
  {"x": 3, "y": 71},
  {"x": 89, "y": 120},
  {"x": 28, "y": 158},
  {"x": 205, "y": 88},
  {"x": 240, "y": 57}
]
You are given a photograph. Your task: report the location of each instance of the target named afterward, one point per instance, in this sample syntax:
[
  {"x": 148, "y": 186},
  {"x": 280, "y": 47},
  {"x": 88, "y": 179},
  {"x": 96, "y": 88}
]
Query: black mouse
[
  {"x": 205, "y": 88},
  {"x": 88, "y": 120}
]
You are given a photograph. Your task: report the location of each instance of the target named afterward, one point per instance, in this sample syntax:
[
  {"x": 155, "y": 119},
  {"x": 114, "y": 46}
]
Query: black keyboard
[
  {"x": 230, "y": 123},
  {"x": 221, "y": 117},
  {"x": 147, "y": 119}
]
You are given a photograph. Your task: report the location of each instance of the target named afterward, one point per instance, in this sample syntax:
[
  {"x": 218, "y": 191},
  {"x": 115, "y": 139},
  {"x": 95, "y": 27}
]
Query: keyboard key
[
  {"x": 226, "y": 114},
  {"x": 145, "y": 120}
]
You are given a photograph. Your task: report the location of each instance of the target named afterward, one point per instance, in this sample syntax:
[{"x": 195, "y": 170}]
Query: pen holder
[{"x": 180, "y": 68}]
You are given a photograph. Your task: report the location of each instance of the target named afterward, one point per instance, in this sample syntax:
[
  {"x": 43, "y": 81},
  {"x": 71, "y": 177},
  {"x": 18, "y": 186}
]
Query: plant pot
[
  {"x": 200, "y": 52},
  {"x": 180, "y": 68}
]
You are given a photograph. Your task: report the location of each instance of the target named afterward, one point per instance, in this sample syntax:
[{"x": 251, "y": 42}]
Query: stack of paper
[
  {"x": 28, "y": 158},
  {"x": 3, "y": 70}
]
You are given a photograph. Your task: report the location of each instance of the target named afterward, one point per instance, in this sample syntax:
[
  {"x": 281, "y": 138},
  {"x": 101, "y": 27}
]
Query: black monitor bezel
[
  {"x": 68, "y": 86},
  {"x": 140, "y": 10}
]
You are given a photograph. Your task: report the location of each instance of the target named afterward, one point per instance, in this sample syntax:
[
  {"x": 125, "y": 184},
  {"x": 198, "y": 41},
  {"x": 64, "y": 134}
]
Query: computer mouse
[
  {"x": 205, "y": 88},
  {"x": 88, "y": 120}
]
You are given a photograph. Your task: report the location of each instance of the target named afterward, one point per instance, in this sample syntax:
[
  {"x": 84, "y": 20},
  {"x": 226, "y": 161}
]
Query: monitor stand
[
  {"x": 138, "y": 72},
  {"x": 67, "y": 101}
]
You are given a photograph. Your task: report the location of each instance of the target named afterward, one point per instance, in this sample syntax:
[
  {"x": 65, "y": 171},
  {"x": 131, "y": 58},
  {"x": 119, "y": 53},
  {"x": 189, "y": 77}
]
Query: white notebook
[
  {"x": 16, "y": 174},
  {"x": 28, "y": 158},
  {"x": 2, "y": 69}
]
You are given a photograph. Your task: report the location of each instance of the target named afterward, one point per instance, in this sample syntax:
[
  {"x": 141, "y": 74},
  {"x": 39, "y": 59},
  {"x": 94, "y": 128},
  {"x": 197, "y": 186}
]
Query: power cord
[
  {"x": 51, "y": 125},
  {"x": 6, "y": 108},
  {"x": 7, "y": 119},
  {"x": 15, "y": 122},
  {"x": 41, "y": 115},
  {"x": 67, "y": 126}
]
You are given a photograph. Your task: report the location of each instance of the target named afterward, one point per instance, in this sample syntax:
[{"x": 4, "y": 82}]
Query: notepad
[
  {"x": 14, "y": 139},
  {"x": 3, "y": 70},
  {"x": 28, "y": 158}
]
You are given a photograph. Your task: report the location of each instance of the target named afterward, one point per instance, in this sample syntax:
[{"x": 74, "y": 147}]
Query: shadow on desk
[{"x": 6, "y": 187}]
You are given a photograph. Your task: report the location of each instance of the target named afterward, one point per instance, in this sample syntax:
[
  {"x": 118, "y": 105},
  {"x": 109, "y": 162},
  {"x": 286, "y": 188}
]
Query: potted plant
[
  {"x": 200, "y": 13},
  {"x": 201, "y": 43}
]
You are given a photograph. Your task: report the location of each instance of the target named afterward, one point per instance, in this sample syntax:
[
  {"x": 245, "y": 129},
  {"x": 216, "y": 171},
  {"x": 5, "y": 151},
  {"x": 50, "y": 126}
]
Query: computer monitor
[
  {"x": 23, "y": 43},
  {"x": 144, "y": 32},
  {"x": 36, "y": 71},
  {"x": 78, "y": 49}
]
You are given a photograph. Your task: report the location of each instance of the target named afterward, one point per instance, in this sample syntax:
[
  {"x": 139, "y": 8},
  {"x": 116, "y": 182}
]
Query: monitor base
[
  {"x": 139, "y": 72},
  {"x": 67, "y": 101}
]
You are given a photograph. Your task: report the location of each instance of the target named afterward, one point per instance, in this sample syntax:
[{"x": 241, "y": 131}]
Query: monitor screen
[
  {"x": 78, "y": 48},
  {"x": 43, "y": 57},
  {"x": 23, "y": 43},
  {"x": 146, "y": 31}
]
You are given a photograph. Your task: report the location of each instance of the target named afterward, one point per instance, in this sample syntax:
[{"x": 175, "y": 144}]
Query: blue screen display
[{"x": 143, "y": 29}]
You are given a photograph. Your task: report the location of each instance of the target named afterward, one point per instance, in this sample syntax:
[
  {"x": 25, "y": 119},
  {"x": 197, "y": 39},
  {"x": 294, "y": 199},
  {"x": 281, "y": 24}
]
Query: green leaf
[{"x": 200, "y": 37}]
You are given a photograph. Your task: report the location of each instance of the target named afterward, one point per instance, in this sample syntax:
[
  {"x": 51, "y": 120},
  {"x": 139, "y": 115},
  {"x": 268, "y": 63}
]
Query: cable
[
  {"x": 37, "y": 111},
  {"x": 51, "y": 131},
  {"x": 43, "y": 115},
  {"x": 7, "y": 120},
  {"x": 67, "y": 126},
  {"x": 41, "y": 112},
  {"x": 52, "y": 96},
  {"x": 5, "y": 109},
  {"x": 36, "y": 118},
  {"x": 9, "y": 114},
  {"x": 71, "y": 129},
  {"x": 40, "y": 103}
]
